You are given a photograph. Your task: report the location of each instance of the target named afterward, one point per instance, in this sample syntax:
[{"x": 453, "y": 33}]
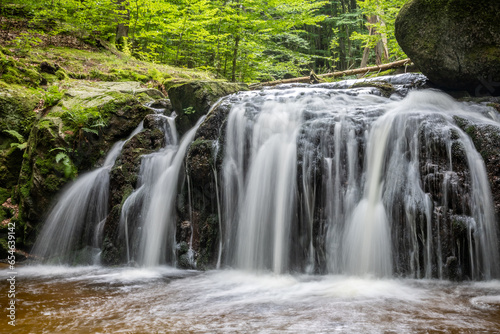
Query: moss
[
  {"x": 4, "y": 194},
  {"x": 197, "y": 97},
  {"x": 54, "y": 183},
  {"x": 49, "y": 78},
  {"x": 386, "y": 89},
  {"x": 61, "y": 74},
  {"x": 454, "y": 43},
  {"x": 209, "y": 237}
]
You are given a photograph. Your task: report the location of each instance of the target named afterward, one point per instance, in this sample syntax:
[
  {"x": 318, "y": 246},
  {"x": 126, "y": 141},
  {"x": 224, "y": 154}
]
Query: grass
[{"x": 102, "y": 65}]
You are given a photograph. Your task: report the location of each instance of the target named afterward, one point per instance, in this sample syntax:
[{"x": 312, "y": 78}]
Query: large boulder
[
  {"x": 74, "y": 136},
  {"x": 455, "y": 43},
  {"x": 16, "y": 118},
  {"x": 193, "y": 99}
]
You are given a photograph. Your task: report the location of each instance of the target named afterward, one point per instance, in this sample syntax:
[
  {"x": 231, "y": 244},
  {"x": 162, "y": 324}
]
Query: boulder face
[
  {"x": 455, "y": 43},
  {"x": 73, "y": 136},
  {"x": 193, "y": 99},
  {"x": 16, "y": 118}
]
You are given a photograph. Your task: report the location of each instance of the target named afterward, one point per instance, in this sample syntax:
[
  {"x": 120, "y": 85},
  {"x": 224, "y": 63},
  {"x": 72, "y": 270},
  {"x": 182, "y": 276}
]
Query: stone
[
  {"x": 455, "y": 43},
  {"x": 123, "y": 181},
  {"x": 65, "y": 142},
  {"x": 16, "y": 114},
  {"x": 48, "y": 68},
  {"x": 193, "y": 99}
]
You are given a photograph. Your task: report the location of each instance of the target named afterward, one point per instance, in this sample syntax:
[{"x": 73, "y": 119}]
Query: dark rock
[
  {"x": 385, "y": 88},
  {"x": 486, "y": 139},
  {"x": 123, "y": 181},
  {"x": 452, "y": 269},
  {"x": 48, "y": 68},
  {"x": 162, "y": 104},
  {"x": 455, "y": 43},
  {"x": 193, "y": 99}
]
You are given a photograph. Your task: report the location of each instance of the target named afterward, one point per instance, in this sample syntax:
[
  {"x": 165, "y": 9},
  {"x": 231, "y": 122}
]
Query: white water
[
  {"x": 314, "y": 180},
  {"x": 81, "y": 207},
  {"x": 150, "y": 208},
  {"x": 373, "y": 216},
  {"x": 162, "y": 299},
  {"x": 317, "y": 180}
]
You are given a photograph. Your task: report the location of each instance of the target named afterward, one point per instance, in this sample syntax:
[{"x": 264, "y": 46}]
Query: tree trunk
[
  {"x": 364, "y": 70},
  {"x": 235, "y": 54}
]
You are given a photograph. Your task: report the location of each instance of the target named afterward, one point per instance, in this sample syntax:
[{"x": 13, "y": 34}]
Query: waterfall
[
  {"x": 149, "y": 210},
  {"x": 313, "y": 178},
  {"x": 77, "y": 217},
  {"x": 333, "y": 180}
]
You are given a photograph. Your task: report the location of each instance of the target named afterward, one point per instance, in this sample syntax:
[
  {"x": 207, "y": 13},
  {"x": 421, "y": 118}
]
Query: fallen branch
[{"x": 310, "y": 79}]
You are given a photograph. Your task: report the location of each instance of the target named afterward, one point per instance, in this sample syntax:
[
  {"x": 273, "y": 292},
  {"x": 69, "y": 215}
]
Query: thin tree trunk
[
  {"x": 371, "y": 31},
  {"x": 122, "y": 28},
  {"x": 235, "y": 54}
]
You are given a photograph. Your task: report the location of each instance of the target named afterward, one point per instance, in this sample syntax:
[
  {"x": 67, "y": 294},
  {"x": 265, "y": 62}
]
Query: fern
[
  {"x": 21, "y": 142},
  {"x": 60, "y": 156},
  {"x": 20, "y": 146},
  {"x": 65, "y": 160},
  {"x": 90, "y": 131},
  {"x": 16, "y": 134}
]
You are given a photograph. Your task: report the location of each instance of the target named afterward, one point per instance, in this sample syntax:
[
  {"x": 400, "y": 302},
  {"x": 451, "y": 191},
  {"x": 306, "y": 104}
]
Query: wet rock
[
  {"x": 486, "y": 139},
  {"x": 162, "y": 104},
  {"x": 452, "y": 269},
  {"x": 123, "y": 181},
  {"x": 203, "y": 166},
  {"x": 193, "y": 99},
  {"x": 456, "y": 43},
  {"x": 385, "y": 88},
  {"x": 74, "y": 136}
]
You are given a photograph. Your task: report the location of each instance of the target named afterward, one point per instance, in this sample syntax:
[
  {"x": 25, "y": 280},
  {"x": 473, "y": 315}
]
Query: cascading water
[
  {"x": 76, "y": 220},
  {"x": 316, "y": 179},
  {"x": 358, "y": 202},
  {"x": 312, "y": 179},
  {"x": 149, "y": 211}
]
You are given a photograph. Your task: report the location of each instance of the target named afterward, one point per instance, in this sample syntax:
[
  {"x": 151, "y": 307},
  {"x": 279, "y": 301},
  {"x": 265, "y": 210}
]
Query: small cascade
[
  {"x": 148, "y": 215},
  {"x": 75, "y": 220},
  {"x": 265, "y": 192}
]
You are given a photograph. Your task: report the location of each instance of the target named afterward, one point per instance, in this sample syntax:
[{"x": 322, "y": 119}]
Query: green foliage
[
  {"x": 27, "y": 39},
  {"x": 385, "y": 11},
  {"x": 189, "y": 111},
  {"x": 52, "y": 96},
  {"x": 21, "y": 142},
  {"x": 244, "y": 40},
  {"x": 63, "y": 158}
]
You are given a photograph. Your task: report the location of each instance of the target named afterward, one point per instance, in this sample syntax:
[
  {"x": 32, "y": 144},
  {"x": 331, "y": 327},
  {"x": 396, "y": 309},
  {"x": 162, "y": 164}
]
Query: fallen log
[{"x": 313, "y": 77}]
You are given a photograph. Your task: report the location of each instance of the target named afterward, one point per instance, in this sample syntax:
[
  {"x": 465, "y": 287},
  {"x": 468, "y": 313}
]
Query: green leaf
[
  {"x": 61, "y": 156},
  {"x": 90, "y": 131},
  {"x": 16, "y": 134}
]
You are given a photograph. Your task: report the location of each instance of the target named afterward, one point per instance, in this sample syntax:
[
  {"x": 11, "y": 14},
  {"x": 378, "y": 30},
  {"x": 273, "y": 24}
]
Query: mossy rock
[
  {"x": 385, "y": 88},
  {"x": 123, "y": 181},
  {"x": 193, "y": 99},
  {"x": 65, "y": 142},
  {"x": 16, "y": 114},
  {"x": 200, "y": 159},
  {"x": 455, "y": 43}
]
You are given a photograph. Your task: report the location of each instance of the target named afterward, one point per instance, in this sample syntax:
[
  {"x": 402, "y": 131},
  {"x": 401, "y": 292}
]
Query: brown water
[{"x": 166, "y": 300}]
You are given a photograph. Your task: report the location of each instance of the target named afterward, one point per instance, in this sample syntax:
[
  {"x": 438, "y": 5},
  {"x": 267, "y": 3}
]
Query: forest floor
[{"x": 22, "y": 54}]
